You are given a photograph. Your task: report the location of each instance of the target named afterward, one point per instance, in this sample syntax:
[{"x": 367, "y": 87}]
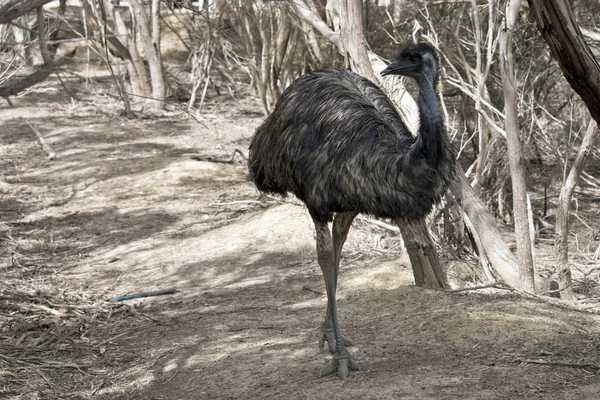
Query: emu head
[{"x": 417, "y": 61}]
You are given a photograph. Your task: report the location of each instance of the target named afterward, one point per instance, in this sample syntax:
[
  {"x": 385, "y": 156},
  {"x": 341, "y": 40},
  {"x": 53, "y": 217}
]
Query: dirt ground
[{"x": 124, "y": 209}]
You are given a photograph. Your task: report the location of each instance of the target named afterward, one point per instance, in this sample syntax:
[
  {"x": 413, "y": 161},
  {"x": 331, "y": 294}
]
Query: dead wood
[
  {"x": 21, "y": 9},
  {"x": 49, "y": 150},
  {"x": 560, "y": 363},
  {"x": 14, "y": 87}
]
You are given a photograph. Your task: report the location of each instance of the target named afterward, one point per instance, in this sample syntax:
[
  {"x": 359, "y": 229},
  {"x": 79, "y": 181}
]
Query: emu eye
[{"x": 412, "y": 59}]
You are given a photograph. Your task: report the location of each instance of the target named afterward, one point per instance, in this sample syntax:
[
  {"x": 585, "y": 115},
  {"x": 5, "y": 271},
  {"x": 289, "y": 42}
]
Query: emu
[{"x": 337, "y": 143}]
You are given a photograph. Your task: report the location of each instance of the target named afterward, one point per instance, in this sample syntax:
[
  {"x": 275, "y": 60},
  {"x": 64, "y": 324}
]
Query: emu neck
[{"x": 431, "y": 124}]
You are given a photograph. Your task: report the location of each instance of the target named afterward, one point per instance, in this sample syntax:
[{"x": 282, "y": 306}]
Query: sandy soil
[{"x": 123, "y": 209}]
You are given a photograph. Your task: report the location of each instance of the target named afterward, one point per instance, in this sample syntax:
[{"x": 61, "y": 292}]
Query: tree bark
[
  {"x": 423, "y": 256},
  {"x": 558, "y": 27},
  {"x": 43, "y": 36},
  {"x": 482, "y": 223},
  {"x": 562, "y": 217},
  {"x": 138, "y": 76},
  {"x": 353, "y": 38},
  {"x": 152, "y": 50},
  {"x": 515, "y": 158}
]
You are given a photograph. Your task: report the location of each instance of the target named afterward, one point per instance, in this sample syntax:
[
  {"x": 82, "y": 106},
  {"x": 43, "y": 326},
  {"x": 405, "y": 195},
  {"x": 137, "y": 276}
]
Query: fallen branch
[
  {"x": 560, "y": 363},
  {"x": 378, "y": 223},
  {"x": 142, "y": 294},
  {"x": 7, "y": 15},
  {"x": 494, "y": 285},
  {"x": 312, "y": 290},
  {"x": 51, "y": 153},
  {"x": 12, "y": 88}
]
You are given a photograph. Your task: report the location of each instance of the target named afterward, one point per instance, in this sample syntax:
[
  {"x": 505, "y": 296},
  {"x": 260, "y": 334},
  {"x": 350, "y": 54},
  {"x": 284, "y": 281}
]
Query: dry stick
[
  {"x": 94, "y": 390},
  {"x": 45, "y": 146},
  {"x": 494, "y": 285},
  {"x": 380, "y": 224},
  {"x": 312, "y": 290},
  {"x": 561, "y": 363}
]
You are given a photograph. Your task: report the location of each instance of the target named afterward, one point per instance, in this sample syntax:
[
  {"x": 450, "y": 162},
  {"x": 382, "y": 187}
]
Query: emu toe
[
  {"x": 328, "y": 335},
  {"x": 341, "y": 362}
]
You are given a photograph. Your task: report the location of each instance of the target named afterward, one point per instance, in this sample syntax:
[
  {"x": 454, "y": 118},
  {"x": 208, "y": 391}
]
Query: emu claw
[
  {"x": 328, "y": 335},
  {"x": 342, "y": 363}
]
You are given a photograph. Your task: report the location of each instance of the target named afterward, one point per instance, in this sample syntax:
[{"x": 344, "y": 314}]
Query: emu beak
[{"x": 398, "y": 67}]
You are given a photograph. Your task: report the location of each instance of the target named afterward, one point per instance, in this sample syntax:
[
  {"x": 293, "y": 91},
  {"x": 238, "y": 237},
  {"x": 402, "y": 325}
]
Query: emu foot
[
  {"x": 327, "y": 334},
  {"x": 342, "y": 363}
]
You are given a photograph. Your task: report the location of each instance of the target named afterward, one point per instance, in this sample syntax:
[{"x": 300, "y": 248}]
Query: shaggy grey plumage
[{"x": 336, "y": 142}]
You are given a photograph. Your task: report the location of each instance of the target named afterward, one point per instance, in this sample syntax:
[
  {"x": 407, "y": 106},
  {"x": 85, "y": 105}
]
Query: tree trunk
[
  {"x": 482, "y": 223},
  {"x": 138, "y": 76},
  {"x": 515, "y": 159},
  {"x": 559, "y": 29},
  {"x": 480, "y": 80},
  {"x": 562, "y": 217},
  {"x": 152, "y": 50},
  {"x": 423, "y": 256},
  {"x": 353, "y": 38},
  {"x": 43, "y": 36}
]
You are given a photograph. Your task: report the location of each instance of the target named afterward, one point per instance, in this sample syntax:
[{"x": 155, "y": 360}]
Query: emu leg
[
  {"x": 341, "y": 361},
  {"x": 341, "y": 226}
]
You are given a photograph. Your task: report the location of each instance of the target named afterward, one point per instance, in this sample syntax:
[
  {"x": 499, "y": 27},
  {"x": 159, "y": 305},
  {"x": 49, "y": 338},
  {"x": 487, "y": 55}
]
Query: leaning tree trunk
[
  {"x": 515, "y": 157},
  {"x": 558, "y": 27}
]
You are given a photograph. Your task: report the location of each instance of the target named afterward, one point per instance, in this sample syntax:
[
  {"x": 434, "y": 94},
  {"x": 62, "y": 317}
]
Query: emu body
[{"x": 337, "y": 143}]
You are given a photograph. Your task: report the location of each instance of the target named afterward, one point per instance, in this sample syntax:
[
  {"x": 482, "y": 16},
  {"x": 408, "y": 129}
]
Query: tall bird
[{"x": 337, "y": 143}]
